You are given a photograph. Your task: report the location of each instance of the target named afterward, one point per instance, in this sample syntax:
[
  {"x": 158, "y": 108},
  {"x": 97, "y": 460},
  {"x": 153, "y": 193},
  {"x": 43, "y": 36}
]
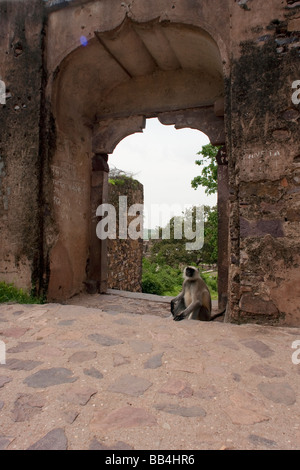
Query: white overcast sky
[{"x": 163, "y": 160}]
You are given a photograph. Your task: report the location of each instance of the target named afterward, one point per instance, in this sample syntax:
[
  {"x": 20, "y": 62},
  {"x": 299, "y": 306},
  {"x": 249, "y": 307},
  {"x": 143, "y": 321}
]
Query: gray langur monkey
[{"x": 194, "y": 301}]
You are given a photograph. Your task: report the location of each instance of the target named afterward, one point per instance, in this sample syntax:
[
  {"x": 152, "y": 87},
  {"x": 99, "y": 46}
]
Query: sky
[{"x": 163, "y": 160}]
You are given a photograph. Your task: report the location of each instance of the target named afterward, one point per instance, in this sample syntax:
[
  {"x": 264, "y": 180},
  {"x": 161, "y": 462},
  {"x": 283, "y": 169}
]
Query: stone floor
[{"x": 115, "y": 372}]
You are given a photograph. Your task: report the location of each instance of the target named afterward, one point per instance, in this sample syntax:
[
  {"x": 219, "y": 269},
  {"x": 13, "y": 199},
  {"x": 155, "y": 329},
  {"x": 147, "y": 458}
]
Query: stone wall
[
  {"x": 69, "y": 103},
  {"x": 125, "y": 255},
  {"x": 21, "y": 163},
  {"x": 264, "y": 174}
]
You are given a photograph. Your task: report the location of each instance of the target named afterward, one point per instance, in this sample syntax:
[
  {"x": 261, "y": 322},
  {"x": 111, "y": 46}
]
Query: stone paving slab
[{"x": 79, "y": 377}]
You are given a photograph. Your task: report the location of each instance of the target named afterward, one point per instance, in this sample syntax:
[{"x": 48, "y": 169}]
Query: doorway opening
[{"x": 162, "y": 158}]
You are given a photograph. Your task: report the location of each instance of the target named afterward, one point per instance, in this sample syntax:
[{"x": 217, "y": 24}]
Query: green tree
[
  {"x": 161, "y": 279},
  {"x": 209, "y": 180},
  {"x": 162, "y": 271},
  {"x": 172, "y": 250},
  {"x": 209, "y": 175},
  {"x": 209, "y": 252}
]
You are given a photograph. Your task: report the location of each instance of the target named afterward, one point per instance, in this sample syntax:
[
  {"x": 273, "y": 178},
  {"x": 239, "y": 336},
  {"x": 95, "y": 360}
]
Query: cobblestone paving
[{"x": 108, "y": 375}]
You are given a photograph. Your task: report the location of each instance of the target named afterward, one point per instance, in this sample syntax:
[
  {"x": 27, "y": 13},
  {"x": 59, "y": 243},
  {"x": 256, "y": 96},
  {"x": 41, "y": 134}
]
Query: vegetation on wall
[{"x": 121, "y": 178}]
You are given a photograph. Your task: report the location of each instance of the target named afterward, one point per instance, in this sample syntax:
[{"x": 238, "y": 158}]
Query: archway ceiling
[
  {"x": 141, "y": 48},
  {"x": 140, "y": 69}
]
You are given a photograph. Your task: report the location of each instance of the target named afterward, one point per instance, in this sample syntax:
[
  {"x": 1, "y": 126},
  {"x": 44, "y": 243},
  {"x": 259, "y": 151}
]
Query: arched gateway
[{"x": 103, "y": 68}]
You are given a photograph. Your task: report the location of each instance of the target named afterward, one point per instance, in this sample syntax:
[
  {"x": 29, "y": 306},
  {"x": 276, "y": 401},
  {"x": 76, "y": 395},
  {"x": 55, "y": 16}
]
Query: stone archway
[
  {"x": 143, "y": 70},
  {"x": 70, "y": 65}
]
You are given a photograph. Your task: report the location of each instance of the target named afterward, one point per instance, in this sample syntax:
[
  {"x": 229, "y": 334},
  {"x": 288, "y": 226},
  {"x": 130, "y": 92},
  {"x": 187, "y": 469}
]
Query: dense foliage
[
  {"x": 173, "y": 252},
  {"x": 162, "y": 270},
  {"x": 209, "y": 252},
  {"x": 161, "y": 279},
  {"x": 166, "y": 280}
]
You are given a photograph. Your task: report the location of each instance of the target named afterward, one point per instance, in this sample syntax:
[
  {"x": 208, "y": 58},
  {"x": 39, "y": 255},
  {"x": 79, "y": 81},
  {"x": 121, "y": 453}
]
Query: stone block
[
  {"x": 254, "y": 304},
  {"x": 294, "y": 25},
  {"x": 260, "y": 228}
]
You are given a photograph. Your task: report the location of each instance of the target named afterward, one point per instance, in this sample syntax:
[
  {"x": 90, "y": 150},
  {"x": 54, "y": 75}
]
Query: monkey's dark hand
[
  {"x": 172, "y": 306},
  {"x": 178, "y": 317}
]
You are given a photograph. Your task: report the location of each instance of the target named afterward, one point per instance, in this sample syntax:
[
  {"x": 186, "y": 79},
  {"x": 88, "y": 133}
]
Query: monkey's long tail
[{"x": 217, "y": 315}]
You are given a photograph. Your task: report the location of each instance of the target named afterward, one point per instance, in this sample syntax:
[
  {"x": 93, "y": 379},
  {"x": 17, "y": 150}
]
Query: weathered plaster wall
[
  {"x": 21, "y": 208},
  {"x": 67, "y": 233}
]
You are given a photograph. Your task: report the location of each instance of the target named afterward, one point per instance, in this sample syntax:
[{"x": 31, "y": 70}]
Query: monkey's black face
[{"x": 190, "y": 272}]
